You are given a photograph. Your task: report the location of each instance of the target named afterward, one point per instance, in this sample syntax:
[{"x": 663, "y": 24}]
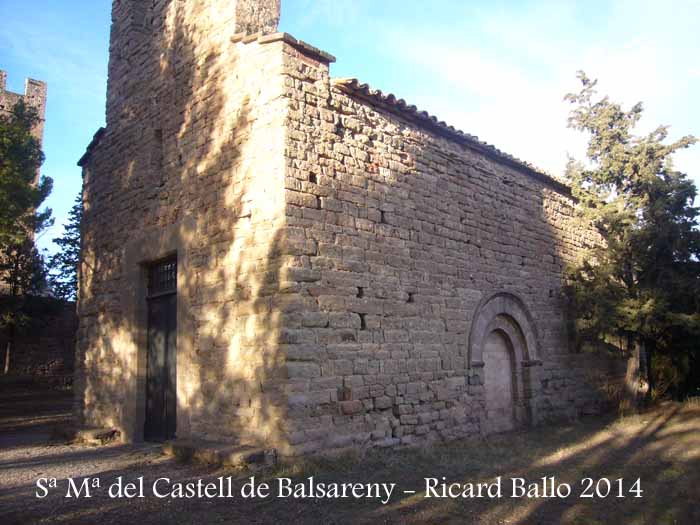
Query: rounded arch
[{"x": 508, "y": 314}]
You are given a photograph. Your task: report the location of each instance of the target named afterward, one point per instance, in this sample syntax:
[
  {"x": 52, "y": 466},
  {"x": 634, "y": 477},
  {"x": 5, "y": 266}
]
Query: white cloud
[{"x": 506, "y": 81}]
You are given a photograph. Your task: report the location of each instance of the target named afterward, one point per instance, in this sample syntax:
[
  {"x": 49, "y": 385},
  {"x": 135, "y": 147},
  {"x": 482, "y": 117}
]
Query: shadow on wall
[
  {"x": 574, "y": 383},
  {"x": 198, "y": 169},
  {"x": 439, "y": 227},
  {"x": 235, "y": 272},
  {"x": 449, "y": 227},
  {"x": 602, "y": 379}
]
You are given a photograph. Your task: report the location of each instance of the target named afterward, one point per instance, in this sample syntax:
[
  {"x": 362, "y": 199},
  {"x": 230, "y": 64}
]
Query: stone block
[{"x": 351, "y": 407}]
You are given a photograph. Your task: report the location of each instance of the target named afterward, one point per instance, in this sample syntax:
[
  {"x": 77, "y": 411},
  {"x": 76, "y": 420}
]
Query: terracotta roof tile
[{"x": 389, "y": 101}]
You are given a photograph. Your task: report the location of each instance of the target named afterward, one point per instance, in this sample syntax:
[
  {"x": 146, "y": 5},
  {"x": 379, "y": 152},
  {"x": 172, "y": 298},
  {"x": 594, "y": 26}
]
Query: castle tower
[{"x": 34, "y": 96}]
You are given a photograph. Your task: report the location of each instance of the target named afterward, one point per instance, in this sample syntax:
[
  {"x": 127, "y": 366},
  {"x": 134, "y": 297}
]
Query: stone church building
[{"x": 277, "y": 257}]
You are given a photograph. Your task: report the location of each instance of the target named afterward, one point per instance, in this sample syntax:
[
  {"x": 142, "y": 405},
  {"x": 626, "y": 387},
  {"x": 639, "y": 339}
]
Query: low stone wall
[{"x": 45, "y": 348}]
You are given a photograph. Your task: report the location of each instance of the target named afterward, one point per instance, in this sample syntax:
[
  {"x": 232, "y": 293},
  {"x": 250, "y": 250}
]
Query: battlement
[{"x": 34, "y": 95}]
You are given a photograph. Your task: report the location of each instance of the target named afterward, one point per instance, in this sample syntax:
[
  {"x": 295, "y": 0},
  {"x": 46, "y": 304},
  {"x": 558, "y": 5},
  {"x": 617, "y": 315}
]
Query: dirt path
[{"x": 661, "y": 448}]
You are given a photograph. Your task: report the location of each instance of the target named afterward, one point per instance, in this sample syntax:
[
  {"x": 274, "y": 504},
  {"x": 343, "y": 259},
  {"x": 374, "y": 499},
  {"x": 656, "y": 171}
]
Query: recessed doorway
[{"x": 161, "y": 405}]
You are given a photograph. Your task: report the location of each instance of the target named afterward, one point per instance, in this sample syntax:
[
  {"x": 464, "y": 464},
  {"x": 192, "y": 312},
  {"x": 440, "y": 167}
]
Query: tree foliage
[
  {"x": 63, "y": 276},
  {"x": 21, "y": 195},
  {"x": 22, "y": 273},
  {"x": 22, "y": 269},
  {"x": 20, "y": 159},
  {"x": 641, "y": 284}
]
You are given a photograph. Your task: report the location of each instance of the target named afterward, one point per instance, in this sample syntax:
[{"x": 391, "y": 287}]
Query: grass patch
[{"x": 640, "y": 446}]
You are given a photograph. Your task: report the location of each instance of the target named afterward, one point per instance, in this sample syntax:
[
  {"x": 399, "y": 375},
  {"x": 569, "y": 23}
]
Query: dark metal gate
[{"x": 160, "y": 421}]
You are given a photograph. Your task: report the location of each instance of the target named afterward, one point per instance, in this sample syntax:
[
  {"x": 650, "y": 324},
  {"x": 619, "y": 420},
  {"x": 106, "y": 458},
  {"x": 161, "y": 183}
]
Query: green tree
[
  {"x": 20, "y": 159},
  {"x": 21, "y": 195},
  {"x": 63, "y": 274},
  {"x": 23, "y": 274},
  {"x": 641, "y": 284}
]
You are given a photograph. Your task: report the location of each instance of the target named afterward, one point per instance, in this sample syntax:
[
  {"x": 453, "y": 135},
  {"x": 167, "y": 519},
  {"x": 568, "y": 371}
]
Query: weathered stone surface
[{"x": 339, "y": 258}]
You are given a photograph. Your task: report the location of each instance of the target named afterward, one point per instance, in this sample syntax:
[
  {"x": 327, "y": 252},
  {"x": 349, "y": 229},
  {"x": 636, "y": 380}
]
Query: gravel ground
[{"x": 28, "y": 452}]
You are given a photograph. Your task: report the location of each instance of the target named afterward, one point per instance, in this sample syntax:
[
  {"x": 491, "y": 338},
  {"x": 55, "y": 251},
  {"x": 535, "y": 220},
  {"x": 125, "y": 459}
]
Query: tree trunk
[
  {"x": 8, "y": 348},
  {"x": 649, "y": 347},
  {"x": 7, "y": 357},
  {"x": 633, "y": 373}
]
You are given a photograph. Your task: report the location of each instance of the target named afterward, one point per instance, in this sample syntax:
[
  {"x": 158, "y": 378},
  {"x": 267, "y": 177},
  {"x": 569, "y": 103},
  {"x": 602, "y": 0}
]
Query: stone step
[
  {"x": 87, "y": 436},
  {"x": 221, "y": 454}
]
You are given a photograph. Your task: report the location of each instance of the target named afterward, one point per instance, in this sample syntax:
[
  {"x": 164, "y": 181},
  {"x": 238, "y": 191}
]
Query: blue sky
[{"x": 498, "y": 70}]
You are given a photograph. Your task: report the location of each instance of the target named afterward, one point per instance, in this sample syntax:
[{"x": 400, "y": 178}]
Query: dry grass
[{"x": 661, "y": 447}]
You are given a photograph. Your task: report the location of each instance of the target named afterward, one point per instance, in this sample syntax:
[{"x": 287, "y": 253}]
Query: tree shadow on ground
[{"x": 661, "y": 447}]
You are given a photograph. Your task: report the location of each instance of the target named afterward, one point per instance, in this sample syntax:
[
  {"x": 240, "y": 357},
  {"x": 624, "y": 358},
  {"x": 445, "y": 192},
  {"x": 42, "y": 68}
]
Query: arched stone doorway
[{"x": 503, "y": 346}]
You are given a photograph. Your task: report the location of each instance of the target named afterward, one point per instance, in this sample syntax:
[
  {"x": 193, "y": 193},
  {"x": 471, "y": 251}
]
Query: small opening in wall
[
  {"x": 318, "y": 202},
  {"x": 410, "y": 299},
  {"x": 157, "y": 151},
  {"x": 551, "y": 293},
  {"x": 360, "y": 291},
  {"x": 382, "y": 218},
  {"x": 363, "y": 322},
  {"x": 313, "y": 179}
]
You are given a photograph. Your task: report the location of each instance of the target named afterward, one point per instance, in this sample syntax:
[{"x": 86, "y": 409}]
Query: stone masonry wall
[
  {"x": 191, "y": 163},
  {"x": 44, "y": 349},
  {"x": 335, "y": 255},
  {"x": 408, "y": 232}
]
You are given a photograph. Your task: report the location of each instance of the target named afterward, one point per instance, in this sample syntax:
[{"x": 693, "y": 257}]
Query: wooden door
[
  {"x": 161, "y": 400},
  {"x": 498, "y": 383}
]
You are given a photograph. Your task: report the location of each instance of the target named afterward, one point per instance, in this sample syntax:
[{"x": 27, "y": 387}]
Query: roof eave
[{"x": 389, "y": 102}]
